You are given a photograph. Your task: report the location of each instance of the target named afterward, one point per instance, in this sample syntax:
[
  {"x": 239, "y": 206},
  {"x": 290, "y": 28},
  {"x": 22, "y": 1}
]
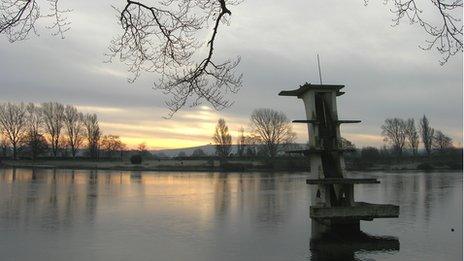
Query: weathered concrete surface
[
  {"x": 341, "y": 181},
  {"x": 360, "y": 211}
]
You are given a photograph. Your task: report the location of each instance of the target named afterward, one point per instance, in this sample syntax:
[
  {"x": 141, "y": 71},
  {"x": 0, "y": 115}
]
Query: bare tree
[
  {"x": 441, "y": 142},
  {"x": 412, "y": 136},
  {"x": 3, "y": 142},
  {"x": 92, "y": 134},
  {"x": 271, "y": 128},
  {"x": 111, "y": 144},
  {"x": 427, "y": 134},
  {"x": 394, "y": 132},
  {"x": 442, "y": 24},
  {"x": 222, "y": 139},
  {"x": 13, "y": 121},
  {"x": 73, "y": 122},
  {"x": 35, "y": 124},
  {"x": 53, "y": 114},
  {"x": 165, "y": 37}
]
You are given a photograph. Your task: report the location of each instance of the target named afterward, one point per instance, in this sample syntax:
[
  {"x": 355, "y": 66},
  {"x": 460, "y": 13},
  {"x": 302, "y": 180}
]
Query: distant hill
[{"x": 209, "y": 150}]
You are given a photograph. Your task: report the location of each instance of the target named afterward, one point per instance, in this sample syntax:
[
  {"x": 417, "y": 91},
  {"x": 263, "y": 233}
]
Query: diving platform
[
  {"x": 333, "y": 209},
  {"x": 356, "y": 211}
]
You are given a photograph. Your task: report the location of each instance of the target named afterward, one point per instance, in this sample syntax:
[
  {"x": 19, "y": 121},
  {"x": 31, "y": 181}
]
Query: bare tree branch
[
  {"x": 445, "y": 34},
  {"x": 163, "y": 39}
]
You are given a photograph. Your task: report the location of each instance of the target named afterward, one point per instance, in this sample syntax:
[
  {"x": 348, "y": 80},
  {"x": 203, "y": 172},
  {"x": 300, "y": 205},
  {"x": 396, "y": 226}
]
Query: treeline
[
  {"x": 270, "y": 133},
  {"x": 52, "y": 129},
  {"x": 401, "y": 134},
  {"x": 402, "y": 138}
]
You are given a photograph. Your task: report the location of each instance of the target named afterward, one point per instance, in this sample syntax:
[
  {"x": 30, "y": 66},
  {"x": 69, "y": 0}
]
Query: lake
[{"x": 69, "y": 215}]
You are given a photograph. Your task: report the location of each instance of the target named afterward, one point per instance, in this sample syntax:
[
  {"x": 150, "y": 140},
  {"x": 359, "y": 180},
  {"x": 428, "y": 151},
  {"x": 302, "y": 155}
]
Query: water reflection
[
  {"x": 106, "y": 215},
  {"x": 345, "y": 248}
]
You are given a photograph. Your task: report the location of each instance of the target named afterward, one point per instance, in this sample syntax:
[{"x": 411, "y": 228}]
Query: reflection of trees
[
  {"x": 222, "y": 193},
  {"x": 23, "y": 204},
  {"x": 265, "y": 197}
]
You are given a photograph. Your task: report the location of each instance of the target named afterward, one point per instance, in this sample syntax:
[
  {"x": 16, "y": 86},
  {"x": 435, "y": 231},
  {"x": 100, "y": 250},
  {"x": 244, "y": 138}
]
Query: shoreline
[{"x": 190, "y": 166}]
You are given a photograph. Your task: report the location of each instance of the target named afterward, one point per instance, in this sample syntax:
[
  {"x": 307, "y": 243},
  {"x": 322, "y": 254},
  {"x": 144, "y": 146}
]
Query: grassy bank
[{"x": 236, "y": 164}]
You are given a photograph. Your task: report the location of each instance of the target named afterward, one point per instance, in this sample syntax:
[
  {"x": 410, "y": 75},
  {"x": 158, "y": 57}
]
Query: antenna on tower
[{"x": 319, "y": 68}]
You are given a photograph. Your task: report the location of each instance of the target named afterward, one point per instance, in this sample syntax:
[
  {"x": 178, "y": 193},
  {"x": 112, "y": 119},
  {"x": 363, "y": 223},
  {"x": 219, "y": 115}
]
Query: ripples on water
[{"x": 113, "y": 215}]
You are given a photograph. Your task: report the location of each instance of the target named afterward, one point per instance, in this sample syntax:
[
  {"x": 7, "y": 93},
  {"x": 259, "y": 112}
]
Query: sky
[{"x": 385, "y": 73}]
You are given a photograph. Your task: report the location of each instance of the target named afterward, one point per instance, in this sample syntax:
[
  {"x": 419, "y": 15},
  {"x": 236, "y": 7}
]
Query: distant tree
[
  {"x": 142, "y": 147},
  {"x": 272, "y": 129},
  {"x": 53, "y": 115},
  {"x": 35, "y": 124},
  {"x": 427, "y": 134},
  {"x": 4, "y": 146},
  {"x": 251, "y": 146},
  {"x": 222, "y": 139},
  {"x": 136, "y": 159},
  {"x": 412, "y": 136},
  {"x": 92, "y": 134},
  {"x": 198, "y": 153},
  {"x": 73, "y": 122},
  {"x": 181, "y": 154},
  {"x": 241, "y": 144},
  {"x": 370, "y": 154},
  {"x": 441, "y": 142},
  {"x": 111, "y": 144},
  {"x": 394, "y": 133},
  {"x": 346, "y": 144},
  {"x": 36, "y": 143},
  {"x": 34, "y": 137},
  {"x": 13, "y": 121}
]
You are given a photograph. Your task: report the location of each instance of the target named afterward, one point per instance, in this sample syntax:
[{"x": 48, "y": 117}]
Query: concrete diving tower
[{"x": 333, "y": 208}]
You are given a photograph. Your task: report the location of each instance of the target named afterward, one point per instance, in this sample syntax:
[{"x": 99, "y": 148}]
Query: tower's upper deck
[{"x": 315, "y": 87}]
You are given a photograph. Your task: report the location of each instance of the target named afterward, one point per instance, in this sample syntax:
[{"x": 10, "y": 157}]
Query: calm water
[{"x": 112, "y": 215}]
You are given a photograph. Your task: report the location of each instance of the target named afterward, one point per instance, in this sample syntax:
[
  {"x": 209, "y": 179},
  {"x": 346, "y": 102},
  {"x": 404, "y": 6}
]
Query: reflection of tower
[{"x": 333, "y": 209}]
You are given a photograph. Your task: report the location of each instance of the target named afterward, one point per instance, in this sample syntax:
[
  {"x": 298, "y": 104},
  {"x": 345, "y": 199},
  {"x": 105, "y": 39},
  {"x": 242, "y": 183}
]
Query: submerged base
[{"x": 344, "y": 246}]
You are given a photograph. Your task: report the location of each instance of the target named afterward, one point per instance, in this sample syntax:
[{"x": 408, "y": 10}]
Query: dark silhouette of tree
[
  {"x": 427, "y": 134},
  {"x": 36, "y": 143},
  {"x": 272, "y": 129},
  {"x": 111, "y": 144},
  {"x": 53, "y": 116},
  {"x": 251, "y": 145},
  {"x": 346, "y": 144},
  {"x": 370, "y": 154},
  {"x": 441, "y": 142},
  {"x": 73, "y": 122},
  {"x": 142, "y": 147},
  {"x": 92, "y": 134},
  {"x": 13, "y": 122},
  {"x": 394, "y": 132},
  {"x": 4, "y": 146},
  {"x": 34, "y": 137},
  {"x": 222, "y": 139},
  {"x": 164, "y": 37},
  {"x": 444, "y": 28},
  {"x": 412, "y": 136}
]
